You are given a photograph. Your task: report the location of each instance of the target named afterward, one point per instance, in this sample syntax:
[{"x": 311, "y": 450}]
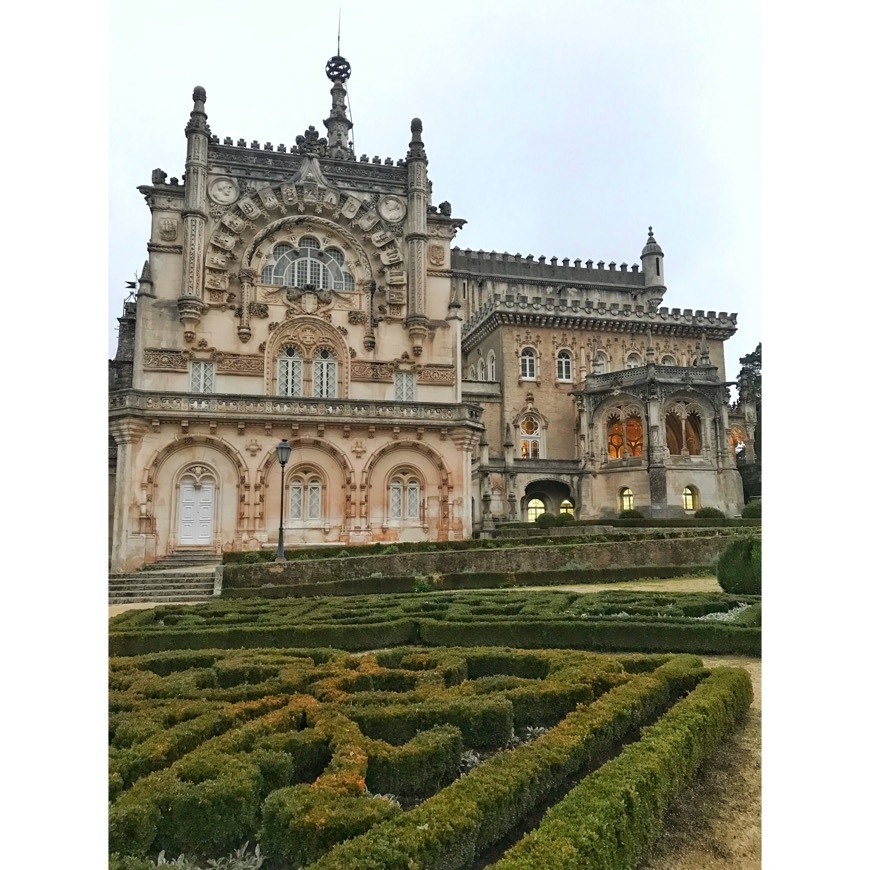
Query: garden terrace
[
  {"x": 331, "y": 760},
  {"x": 644, "y": 622},
  {"x": 595, "y": 558}
]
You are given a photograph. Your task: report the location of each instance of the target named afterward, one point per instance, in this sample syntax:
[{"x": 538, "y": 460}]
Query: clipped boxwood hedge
[{"x": 739, "y": 567}]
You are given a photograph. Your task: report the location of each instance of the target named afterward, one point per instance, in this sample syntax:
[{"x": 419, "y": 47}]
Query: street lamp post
[{"x": 283, "y": 452}]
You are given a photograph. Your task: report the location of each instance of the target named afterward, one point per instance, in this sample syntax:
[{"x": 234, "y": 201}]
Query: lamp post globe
[{"x": 282, "y": 451}]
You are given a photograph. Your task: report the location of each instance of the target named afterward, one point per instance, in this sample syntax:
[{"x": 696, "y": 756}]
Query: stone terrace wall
[{"x": 670, "y": 553}]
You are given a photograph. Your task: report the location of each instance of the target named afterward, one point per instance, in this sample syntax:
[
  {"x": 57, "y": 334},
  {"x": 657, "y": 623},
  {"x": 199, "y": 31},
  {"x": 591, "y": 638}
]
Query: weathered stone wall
[{"x": 677, "y": 552}]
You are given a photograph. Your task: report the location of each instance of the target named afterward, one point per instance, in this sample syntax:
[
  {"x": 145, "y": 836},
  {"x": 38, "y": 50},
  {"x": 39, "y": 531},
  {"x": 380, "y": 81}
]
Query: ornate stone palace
[{"x": 427, "y": 392}]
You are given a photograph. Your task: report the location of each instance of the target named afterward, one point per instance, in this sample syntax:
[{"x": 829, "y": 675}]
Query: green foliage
[
  {"x": 616, "y": 812},
  {"x": 546, "y": 520},
  {"x": 631, "y": 514},
  {"x": 422, "y": 584},
  {"x": 752, "y": 510},
  {"x": 709, "y": 513},
  {"x": 739, "y": 568},
  {"x": 389, "y": 550}
]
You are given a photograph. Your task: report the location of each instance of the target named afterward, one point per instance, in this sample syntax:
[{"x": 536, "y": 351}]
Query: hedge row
[
  {"x": 612, "y": 816},
  {"x": 650, "y": 636},
  {"x": 471, "y": 814}
]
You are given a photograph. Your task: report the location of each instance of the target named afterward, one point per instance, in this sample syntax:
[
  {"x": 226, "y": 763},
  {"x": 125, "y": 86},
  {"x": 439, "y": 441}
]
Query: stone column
[
  {"x": 417, "y": 238},
  {"x": 246, "y": 280},
  {"x": 194, "y": 216},
  {"x": 127, "y": 435}
]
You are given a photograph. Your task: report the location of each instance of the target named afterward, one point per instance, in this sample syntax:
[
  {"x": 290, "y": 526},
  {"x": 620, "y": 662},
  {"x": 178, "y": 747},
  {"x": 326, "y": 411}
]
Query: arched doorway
[{"x": 196, "y": 508}]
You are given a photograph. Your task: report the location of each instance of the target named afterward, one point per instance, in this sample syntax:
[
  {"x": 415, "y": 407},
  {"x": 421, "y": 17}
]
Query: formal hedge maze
[
  {"x": 406, "y": 757},
  {"x": 643, "y": 622}
]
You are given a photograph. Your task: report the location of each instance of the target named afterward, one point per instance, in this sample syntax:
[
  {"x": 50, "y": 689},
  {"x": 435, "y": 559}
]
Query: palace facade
[{"x": 427, "y": 392}]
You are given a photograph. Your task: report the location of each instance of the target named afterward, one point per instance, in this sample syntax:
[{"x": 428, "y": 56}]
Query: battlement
[
  {"x": 550, "y": 310},
  {"x": 506, "y": 265},
  {"x": 295, "y": 150}
]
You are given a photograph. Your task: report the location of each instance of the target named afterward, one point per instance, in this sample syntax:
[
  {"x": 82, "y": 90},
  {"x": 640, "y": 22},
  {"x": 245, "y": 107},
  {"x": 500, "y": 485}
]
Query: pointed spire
[
  {"x": 650, "y": 352},
  {"x": 651, "y": 246},
  {"x": 198, "y": 118},
  {"x": 338, "y": 124},
  {"x": 454, "y": 307},
  {"x": 415, "y": 146}
]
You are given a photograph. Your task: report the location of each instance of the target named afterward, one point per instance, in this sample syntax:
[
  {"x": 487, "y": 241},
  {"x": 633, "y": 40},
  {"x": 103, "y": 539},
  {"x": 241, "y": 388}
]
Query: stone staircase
[{"x": 169, "y": 585}]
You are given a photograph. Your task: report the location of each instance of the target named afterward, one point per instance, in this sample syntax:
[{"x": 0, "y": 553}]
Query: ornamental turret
[{"x": 338, "y": 124}]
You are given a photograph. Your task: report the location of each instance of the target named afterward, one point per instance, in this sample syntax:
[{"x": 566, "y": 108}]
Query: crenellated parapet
[
  {"x": 551, "y": 310},
  {"x": 468, "y": 263}
]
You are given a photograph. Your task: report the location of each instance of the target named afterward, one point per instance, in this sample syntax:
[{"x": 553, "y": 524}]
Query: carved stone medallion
[
  {"x": 392, "y": 209},
  {"x": 436, "y": 255},
  {"x": 223, "y": 190}
]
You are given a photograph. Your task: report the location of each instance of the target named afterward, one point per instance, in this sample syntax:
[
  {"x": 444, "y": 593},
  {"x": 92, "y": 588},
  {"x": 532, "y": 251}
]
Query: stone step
[{"x": 146, "y": 586}]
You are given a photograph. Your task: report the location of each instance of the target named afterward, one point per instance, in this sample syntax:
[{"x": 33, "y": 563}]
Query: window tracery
[
  {"x": 308, "y": 264},
  {"x": 405, "y": 495},
  {"x": 530, "y": 437},
  {"x": 528, "y": 364},
  {"x": 306, "y": 491},
  {"x": 624, "y": 434},
  {"x": 683, "y": 430},
  {"x": 564, "y": 365}
]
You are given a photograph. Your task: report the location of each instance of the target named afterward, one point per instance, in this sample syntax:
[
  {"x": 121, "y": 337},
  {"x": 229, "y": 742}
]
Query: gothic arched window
[
  {"x": 530, "y": 438},
  {"x": 668, "y": 360},
  {"x": 563, "y": 365},
  {"x": 624, "y": 436},
  {"x": 683, "y": 432},
  {"x": 305, "y": 500},
  {"x": 528, "y": 364},
  {"x": 290, "y": 373},
  {"x": 626, "y": 499},
  {"x": 405, "y": 496},
  {"x": 325, "y": 375},
  {"x": 690, "y": 498},
  {"x": 491, "y": 365},
  {"x": 308, "y": 264},
  {"x": 633, "y": 361}
]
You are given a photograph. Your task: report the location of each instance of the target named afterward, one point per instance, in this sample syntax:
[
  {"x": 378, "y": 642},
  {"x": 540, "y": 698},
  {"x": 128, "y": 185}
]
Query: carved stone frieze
[
  {"x": 437, "y": 374},
  {"x": 154, "y": 247},
  {"x": 159, "y": 359},
  {"x": 239, "y": 363}
]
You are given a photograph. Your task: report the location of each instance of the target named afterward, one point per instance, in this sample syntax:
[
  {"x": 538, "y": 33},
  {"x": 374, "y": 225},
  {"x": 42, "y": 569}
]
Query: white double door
[{"x": 196, "y": 514}]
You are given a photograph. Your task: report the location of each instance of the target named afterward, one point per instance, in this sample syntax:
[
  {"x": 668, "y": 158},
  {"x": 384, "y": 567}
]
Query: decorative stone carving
[
  {"x": 351, "y": 207},
  {"x": 392, "y": 209},
  {"x": 223, "y": 191},
  {"x": 168, "y": 229},
  {"x": 166, "y": 360},
  {"x": 390, "y": 256},
  {"x": 249, "y": 208},
  {"x": 258, "y": 309},
  {"x": 367, "y": 221},
  {"x": 436, "y": 255},
  {"x": 234, "y": 222},
  {"x": 356, "y": 318},
  {"x": 239, "y": 363}
]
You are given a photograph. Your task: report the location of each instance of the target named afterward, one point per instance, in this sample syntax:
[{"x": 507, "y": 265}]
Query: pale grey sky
[{"x": 555, "y": 128}]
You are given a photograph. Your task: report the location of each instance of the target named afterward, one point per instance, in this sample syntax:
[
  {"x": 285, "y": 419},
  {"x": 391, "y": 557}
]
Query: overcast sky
[{"x": 555, "y": 128}]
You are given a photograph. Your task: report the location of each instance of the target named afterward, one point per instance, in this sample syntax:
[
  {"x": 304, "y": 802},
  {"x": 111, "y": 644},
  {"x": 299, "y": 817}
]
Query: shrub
[
  {"x": 709, "y": 513},
  {"x": 546, "y": 520},
  {"x": 631, "y": 514},
  {"x": 752, "y": 511},
  {"x": 739, "y": 567}
]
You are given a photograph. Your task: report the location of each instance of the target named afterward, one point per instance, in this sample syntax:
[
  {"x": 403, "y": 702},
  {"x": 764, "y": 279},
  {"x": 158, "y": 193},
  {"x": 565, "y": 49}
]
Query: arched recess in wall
[
  {"x": 337, "y": 478},
  {"x": 620, "y": 428},
  {"x": 175, "y": 468},
  {"x": 401, "y": 459},
  {"x": 688, "y": 424},
  {"x": 308, "y": 337}
]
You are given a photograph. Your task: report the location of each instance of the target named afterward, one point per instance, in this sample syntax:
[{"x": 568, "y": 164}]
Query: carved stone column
[
  {"x": 127, "y": 435},
  {"x": 190, "y": 303},
  {"x": 246, "y": 279},
  {"x": 417, "y": 238}
]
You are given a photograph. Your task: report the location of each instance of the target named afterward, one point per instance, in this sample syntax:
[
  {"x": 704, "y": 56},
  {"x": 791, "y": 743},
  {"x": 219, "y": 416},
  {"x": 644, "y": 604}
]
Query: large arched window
[
  {"x": 633, "y": 361},
  {"x": 325, "y": 375},
  {"x": 305, "y": 500},
  {"x": 530, "y": 438},
  {"x": 535, "y": 509},
  {"x": 481, "y": 370},
  {"x": 668, "y": 360},
  {"x": 563, "y": 365},
  {"x": 683, "y": 431},
  {"x": 290, "y": 372},
  {"x": 308, "y": 264},
  {"x": 490, "y": 360},
  {"x": 404, "y": 496},
  {"x": 626, "y": 499},
  {"x": 528, "y": 364},
  {"x": 624, "y": 436}
]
